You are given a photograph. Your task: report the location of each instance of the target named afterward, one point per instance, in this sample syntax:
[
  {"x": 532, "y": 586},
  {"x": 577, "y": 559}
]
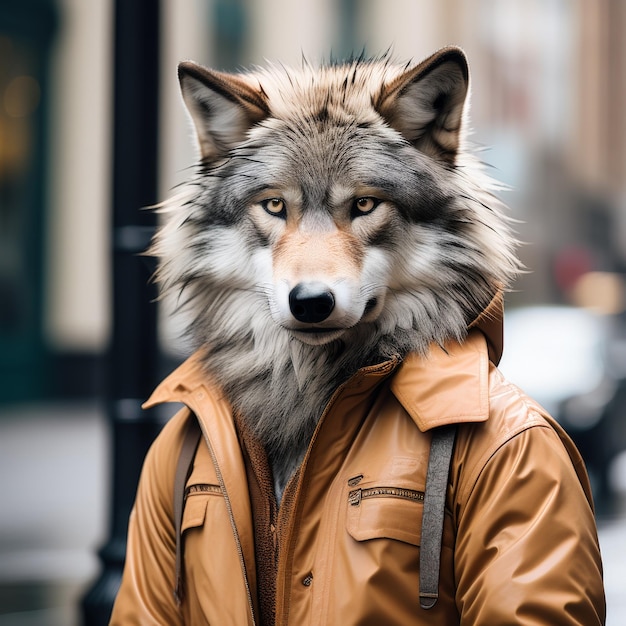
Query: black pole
[
  {"x": 133, "y": 355},
  {"x": 346, "y": 46}
]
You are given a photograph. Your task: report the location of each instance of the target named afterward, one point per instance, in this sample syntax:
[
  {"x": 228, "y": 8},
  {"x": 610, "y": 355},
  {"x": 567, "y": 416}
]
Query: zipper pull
[{"x": 355, "y": 480}]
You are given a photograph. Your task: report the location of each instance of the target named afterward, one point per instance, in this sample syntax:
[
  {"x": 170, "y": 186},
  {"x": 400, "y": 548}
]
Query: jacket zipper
[
  {"x": 356, "y": 496},
  {"x": 202, "y": 488},
  {"x": 231, "y": 517},
  {"x": 390, "y": 366}
]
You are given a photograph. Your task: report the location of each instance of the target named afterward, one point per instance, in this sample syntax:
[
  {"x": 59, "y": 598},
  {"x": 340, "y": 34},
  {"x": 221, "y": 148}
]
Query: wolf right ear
[
  {"x": 222, "y": 106},
  {"x": 425, "y": 104}
]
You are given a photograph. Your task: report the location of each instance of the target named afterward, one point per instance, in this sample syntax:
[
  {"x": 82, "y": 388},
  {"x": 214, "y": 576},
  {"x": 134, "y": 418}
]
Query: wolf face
[{"x": 335, "y": 220}]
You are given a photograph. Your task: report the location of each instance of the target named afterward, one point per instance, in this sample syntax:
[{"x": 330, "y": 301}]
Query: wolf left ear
[
  {"x": 222, "y": 106},
  {"x": 425, "y": 104}
]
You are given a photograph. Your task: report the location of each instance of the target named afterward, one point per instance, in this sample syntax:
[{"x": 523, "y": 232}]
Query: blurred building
[
  {"x": 547, "y": 112},
  {"x": 548, "y": 90}
]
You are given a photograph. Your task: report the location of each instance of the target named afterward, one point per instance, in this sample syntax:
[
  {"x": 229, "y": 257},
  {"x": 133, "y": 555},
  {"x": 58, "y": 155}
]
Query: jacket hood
[{"x": 491, "y": 324}]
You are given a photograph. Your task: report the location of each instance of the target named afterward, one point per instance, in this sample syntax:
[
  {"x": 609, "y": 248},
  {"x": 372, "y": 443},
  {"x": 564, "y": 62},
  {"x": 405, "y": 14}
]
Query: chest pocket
[
  {"x": 390, "y": 512},
  {"x": 197, "y": 498},
  {"x": 404, "y": 514}
]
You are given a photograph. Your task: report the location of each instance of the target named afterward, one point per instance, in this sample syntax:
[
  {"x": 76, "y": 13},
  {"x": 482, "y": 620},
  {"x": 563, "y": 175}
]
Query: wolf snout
[{"x": 311, "y": 302}]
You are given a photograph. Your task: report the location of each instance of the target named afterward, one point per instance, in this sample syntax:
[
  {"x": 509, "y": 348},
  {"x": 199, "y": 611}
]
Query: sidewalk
[
  {"x": 54, "y": 493},
  {"x": 612, "y": 534}
]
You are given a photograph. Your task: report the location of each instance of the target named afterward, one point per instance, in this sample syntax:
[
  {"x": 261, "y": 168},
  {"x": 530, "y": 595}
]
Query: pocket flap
[
  {"x": 194, "y": 513},
  {"x": 386, "y": 517},
  {"x": 196, "y": 503}
]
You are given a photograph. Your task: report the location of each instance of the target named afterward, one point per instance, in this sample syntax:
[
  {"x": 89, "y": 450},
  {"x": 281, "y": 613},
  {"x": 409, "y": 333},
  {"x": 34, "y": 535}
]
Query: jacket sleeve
[
  {"x": 527, "y": 550},
  {"x": 146, "y": 593}
]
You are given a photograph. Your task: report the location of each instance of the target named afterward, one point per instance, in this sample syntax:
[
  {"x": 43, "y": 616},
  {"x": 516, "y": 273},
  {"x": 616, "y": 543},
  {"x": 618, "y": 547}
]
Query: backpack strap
[
  {"x": 191, "y": 439},
  {"x": 441, "y": 448}
]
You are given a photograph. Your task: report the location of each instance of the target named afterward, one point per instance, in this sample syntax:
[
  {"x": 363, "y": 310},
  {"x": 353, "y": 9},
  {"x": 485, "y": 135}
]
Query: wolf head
[{"x": 335, "y": 219}]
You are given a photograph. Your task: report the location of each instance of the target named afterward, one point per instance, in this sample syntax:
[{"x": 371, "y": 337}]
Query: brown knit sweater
[{"x": 268, "y": 519}]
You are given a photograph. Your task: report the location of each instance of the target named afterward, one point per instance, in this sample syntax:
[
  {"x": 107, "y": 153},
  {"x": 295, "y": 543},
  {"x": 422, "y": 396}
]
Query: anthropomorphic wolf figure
[{"x": 342, "y": 258}]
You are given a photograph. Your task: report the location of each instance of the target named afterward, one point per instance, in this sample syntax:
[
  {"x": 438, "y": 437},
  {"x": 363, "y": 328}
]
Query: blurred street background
[{"x": 548, "y": 114}]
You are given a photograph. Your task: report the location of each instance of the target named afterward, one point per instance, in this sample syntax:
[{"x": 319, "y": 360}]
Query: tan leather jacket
[{"x": 519, "y": 542}]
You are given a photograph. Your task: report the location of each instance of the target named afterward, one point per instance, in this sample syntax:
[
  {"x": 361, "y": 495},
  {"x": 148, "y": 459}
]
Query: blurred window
[{"x": 25, "y": 32}]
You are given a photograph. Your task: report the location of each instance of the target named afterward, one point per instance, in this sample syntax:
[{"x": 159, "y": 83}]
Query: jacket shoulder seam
[{"x": 467, "y": 485}]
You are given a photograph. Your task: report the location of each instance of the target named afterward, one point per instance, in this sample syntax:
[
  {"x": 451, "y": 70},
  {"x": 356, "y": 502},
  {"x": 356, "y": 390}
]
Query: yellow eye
[
  {"x": 275, "y": 207},
  {"x": 365, "y": 205}
]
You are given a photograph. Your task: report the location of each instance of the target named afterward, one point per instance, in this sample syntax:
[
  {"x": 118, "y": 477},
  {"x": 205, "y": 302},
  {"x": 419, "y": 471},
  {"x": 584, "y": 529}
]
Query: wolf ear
[
  {"x": 425, "y": 104},
  {"x": 222, "y": 106}
]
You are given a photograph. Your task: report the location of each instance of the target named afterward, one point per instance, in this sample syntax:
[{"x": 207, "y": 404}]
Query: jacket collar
[
  {"x": 448, "y": 386},
  {"x": 183, "y": 384}
]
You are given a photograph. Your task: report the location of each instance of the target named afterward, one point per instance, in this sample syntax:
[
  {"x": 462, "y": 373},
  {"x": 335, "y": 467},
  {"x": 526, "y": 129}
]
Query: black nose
[{"x": 311, "y": 302}]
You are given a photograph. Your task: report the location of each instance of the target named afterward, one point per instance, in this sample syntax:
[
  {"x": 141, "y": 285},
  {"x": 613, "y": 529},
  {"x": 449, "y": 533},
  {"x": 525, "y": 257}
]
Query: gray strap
[
  {"x": 441, "y": 448},
  {"x": 183, "y": 470}
]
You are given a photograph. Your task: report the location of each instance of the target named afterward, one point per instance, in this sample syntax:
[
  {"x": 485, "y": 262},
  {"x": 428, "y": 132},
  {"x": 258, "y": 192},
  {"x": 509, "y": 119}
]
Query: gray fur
[{"x": 443, "y": 253}]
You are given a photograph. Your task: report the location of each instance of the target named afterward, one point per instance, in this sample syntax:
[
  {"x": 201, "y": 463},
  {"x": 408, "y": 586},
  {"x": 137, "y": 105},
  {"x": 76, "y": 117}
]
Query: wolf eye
[
  {"x": 275, "y": 207},
  {"x": 365, "y": 205}
]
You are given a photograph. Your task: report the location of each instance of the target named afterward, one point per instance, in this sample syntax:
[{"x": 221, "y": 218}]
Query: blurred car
[{"x": 561, "y": 357}]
